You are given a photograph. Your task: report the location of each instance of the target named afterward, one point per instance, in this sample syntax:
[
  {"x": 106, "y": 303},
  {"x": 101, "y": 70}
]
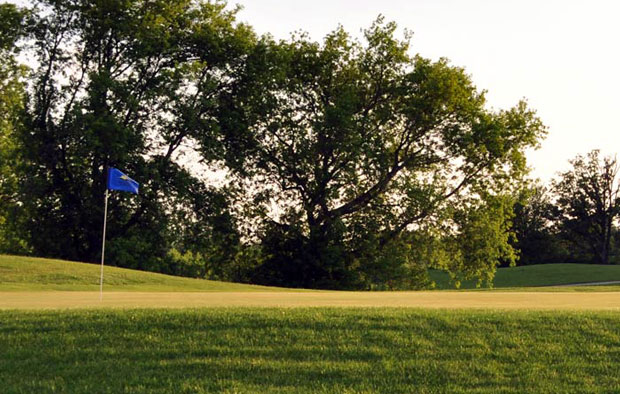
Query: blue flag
[{"x": 119, "y": 181}]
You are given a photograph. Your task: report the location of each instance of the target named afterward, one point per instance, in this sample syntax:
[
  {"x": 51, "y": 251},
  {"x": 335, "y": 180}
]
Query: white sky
[{"x": 562, "y": 56}]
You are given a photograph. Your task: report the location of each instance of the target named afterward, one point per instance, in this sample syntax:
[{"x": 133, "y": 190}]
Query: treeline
[
  {"x": 574, "y": 219},
  {"x": 343, "y": 163}
]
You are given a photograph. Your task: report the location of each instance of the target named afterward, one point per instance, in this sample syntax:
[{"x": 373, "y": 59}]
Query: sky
[{"x": 563, "y": 57}]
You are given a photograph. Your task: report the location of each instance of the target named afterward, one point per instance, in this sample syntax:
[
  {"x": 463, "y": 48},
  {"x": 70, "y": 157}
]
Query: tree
[
  {"x": 126, "y": 84},
  {"x": 468, "y": 239},
  {"x": 12, "y": 92},
  {"x": 588, "y": 200},
  {"x": 346, "y": 145},
  {"x": 536, "y": 235}
]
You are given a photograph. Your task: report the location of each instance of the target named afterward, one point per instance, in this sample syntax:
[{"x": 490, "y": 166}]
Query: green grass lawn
[
  {"x": 298, "y": 350},
  {"x": 309, "y": 351},
  {"x": 539, "y": 275},
  {"x": 35, "y": 274}
]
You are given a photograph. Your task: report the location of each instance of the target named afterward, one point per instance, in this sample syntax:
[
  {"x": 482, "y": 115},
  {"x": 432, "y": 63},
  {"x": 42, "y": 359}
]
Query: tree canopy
[
  {"x": 348, "y": 144},
  {"x": 12, "y": 95},
  {"x": 345, "y": 163},
  {"x": 537, "y": 237},
  {"x": 588, "y": 201},
  {"x": 126, "y": 84}
]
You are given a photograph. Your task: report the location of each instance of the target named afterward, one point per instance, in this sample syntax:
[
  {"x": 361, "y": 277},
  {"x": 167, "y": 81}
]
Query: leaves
[
  {"x": 588, "y": 200},
  {"x": 12, "y": 94},
  {"x": 362, "y": 136},
  {"x": 129, "y": 84},
  {"x": 343, "y": 159}
]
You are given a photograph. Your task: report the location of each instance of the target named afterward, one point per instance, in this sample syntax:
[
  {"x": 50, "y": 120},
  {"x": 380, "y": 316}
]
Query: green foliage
[
  {"x": 313, "y": 350},
  {"x": 588, "y": 203},
  {"x": 483, "y": 239},
  {"x": 395, "y": 266},
  {"x": 187, "y": 264},
  {"x": 12, "y": 93},
  {"x": 345, "y": 145},
  {"x": 126, "y": 84},
  {"x": 347, "y": 161},
  {"x": 12, "y": 26},
  {"x": 537, "y": 237},
  {"x": 215, "y": 246},
  {"x": 140, "y": 250},
  {"x": 471, "y": 241}
]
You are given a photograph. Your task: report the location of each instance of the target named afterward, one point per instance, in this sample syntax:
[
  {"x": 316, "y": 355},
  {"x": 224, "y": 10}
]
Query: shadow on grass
[{"x": 308, "y": 350}]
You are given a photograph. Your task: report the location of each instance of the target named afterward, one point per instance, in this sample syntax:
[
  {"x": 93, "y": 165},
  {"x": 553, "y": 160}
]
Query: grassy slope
[
  {"x": 540, "y": 275},
  {"x": 309, "y": 351},
  {"x": 35, "y": 274}
]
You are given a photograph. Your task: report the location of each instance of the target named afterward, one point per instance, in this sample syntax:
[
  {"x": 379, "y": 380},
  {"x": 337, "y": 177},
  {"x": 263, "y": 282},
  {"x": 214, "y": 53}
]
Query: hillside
[
  {"x": 539, "y": 275},
  {"x": 37, "y": 274}
]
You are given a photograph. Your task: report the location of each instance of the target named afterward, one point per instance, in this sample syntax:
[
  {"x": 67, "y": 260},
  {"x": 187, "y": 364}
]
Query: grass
[
  {"x": 511, "y": 300},
  {"x": 317, "y": 350},
  {"x": 539, "y": 275},
  {"x": 300, "y": 349},
  {"x": 36, "y": 274}
]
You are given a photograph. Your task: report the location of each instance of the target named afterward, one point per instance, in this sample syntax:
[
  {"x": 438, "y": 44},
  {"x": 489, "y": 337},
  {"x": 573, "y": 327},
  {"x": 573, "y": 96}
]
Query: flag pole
[{"x": 105, "y": 218}]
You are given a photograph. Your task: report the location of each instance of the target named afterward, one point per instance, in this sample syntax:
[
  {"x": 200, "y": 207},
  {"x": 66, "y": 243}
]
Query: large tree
[
  {"x": 588, "y": 200},
  {"x": 345, "y": 145},
  {"x": 124, "y": 83},
  {"x": 536, "y": 236},
  {"x": 12, "y": 93}
]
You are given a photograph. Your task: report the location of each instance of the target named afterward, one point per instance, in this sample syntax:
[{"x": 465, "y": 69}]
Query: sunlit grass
[
  {"x": 309, "y": 351},
  {"x": 36, "y": 274},
  {"x": 540, "y": 275}
]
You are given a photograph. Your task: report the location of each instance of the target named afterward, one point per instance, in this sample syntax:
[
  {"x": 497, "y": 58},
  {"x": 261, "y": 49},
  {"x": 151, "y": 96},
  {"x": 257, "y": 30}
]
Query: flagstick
[{"x": 105, "y": 218}]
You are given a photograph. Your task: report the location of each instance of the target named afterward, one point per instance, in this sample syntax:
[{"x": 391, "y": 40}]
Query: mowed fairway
[
  {"x": 148, "y": 335},
  {"x": 31, "y": 283},
  {"x": 428, "y": 299}
]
